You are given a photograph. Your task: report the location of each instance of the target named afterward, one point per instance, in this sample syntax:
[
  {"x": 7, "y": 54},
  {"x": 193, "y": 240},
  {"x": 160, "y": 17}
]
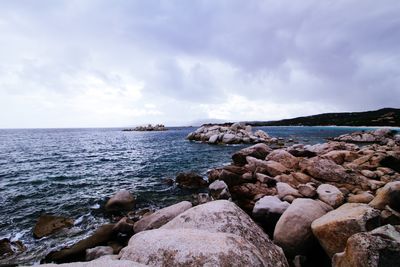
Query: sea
[{"x": 72, "y": 173}]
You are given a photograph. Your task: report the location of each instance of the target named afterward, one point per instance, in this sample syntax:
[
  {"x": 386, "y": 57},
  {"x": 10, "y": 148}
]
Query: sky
[{"x": 100, "y": 63}]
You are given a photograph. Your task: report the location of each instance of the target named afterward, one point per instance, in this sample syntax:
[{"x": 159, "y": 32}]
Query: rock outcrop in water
[
  {"x": 234, "y": 134},
  {"x": 147, "y": 128},
  {"x": 48, "y": 224},
  {"x": 382, "y": 136}
]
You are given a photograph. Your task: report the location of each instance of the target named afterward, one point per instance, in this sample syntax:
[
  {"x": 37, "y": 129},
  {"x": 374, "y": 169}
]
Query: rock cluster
[
  {"x": 382, "y": 136},
  {"x": 234, "y": 134},
  {"x": 147, "y": 128},
  {"x": 320, "y": 197}
]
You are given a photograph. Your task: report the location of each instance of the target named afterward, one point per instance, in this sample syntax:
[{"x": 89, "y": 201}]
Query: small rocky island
[
  {"x": 147, "y": 128},
  {"x": 235, "y": 133}
]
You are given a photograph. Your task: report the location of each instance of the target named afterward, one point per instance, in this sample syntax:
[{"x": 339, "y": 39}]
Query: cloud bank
[{"x": 119, "y": 63}]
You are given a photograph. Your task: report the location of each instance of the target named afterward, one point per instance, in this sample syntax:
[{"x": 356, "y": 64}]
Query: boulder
[
  {"x": 330, "y": 194},
  {"x": 97, "y": 252},
  {"x": 284, "y": 158},
  {"x": 307, "y": 190},
  {"x": 275, "y": 168},
  {"x": 213, "y": 139},
  {"x": 269, "y": 205},
  {"x": 324, "y": 169},
  {"x": 284, "y": 189},
  {"x": 229, "y": 138},
  {"x": 293, "y": 230},
  {"x": 190, "y": 180},
  {"x": 387, "y": 195},
  {"x": 222, "y": 216},
  {"x": 219, "y": 190},
  {"x": 121, "y": 201},
  {"x": 124, "y": 226},
  {"x": 334, "y": 228},
  {"x": 258, "y": 151},
  {"x": 161, "y": 217},
  {"x": 380, "y": 247},
  {"x": 77, "y": 252},
  {"x": 193, "y": 247},
  {"x": 340, "y": 156},
  {"x": 261, "y": 134},
  {"x": 361, "y": 197},
  {"x": 48, "y": 224},
  {"x": 105, "y": 261}
]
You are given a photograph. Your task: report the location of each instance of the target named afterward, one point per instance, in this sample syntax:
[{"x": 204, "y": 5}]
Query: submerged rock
[
  {"x": 48, "y": 224},
  {"x": 9, "y": 248}
]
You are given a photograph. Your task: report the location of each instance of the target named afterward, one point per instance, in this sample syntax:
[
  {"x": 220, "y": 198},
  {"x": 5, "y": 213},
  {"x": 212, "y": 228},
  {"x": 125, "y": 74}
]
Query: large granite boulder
[
  {"x": 48, "y": 224},
  {"x": 206, "y": 235},
  {"x": 269, "y": 205},
  {"x": 121, "y": 201},
  {"x": 378, "y": 248},
  {"x": 161, "y": 217},
  {"x": 324, "y": 169},
  {"x": 284, "y": 158},
  {"x": 293, "y": 230},
  {"x": 387, "y": 195},
  {"x": 258, "y": 151},
  {"x": 192, "y": 247},
  {"x": 330, "y": 194},
  {"x": 334, "y": 228},
  {"x": 190, "y": 180}
]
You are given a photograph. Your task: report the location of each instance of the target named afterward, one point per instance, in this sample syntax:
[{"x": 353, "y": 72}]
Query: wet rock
[
  {"x": 284, "y": 158},
  {"x": 9, "y": 248},
  {"x": 201, "y": 198},
  {"x": 380, "y": 247},
  {"x": 388, "y": 195},
  {"x": 334, "y": 228},
  {"x": 258, "y": 151},
  {"x": 124, "y": 226},
  {"x": 48, "y": 224},
  {"x": 293, "y": 230},
  {"x": 330, "y": 194},
  {"x": 121, "y": 201},
  {"x": 161, "y": 217},
  {"x": 77, "y": 252},
  {"x": 97, "y": 252},
  {"x": 190, "y": 180},
  {"x": 219, "y": 190}
]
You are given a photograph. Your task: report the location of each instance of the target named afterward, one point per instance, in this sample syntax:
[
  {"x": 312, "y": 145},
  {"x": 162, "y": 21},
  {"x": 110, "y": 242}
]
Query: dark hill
[{"x": 381, "y": 117}]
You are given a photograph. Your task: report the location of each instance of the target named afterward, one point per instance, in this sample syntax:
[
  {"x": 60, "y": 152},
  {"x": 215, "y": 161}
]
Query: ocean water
[{"x": 72, "y": 172}]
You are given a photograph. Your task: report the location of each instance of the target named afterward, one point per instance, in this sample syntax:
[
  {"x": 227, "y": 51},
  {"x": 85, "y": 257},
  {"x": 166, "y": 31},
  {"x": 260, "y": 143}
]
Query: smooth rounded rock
[{"x": 330, "y": 194}]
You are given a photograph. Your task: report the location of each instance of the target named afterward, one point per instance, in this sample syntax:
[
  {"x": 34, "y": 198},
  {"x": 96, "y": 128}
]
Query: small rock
[
  {"x": 202, "y": 198},
  {"x": 9, "y": 248},
  {"x": 48, "y": 224},
  {"x": 121, "y": 201},
  {"x": 219, "y": 190},
  {"x": 330, "y": 194},
  {"x": 307, "y": 190}
]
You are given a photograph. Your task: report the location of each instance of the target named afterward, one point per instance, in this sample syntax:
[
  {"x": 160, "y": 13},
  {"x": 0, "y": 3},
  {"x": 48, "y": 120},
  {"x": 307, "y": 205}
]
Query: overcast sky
[{"x": 79, "y": 63}]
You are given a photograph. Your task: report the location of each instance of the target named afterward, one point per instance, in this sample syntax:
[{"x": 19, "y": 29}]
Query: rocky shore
[
  {"x": 235, "y": 133},
  {"x": 331, "y": 204},
  {"x": 147, "y": 128}
]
